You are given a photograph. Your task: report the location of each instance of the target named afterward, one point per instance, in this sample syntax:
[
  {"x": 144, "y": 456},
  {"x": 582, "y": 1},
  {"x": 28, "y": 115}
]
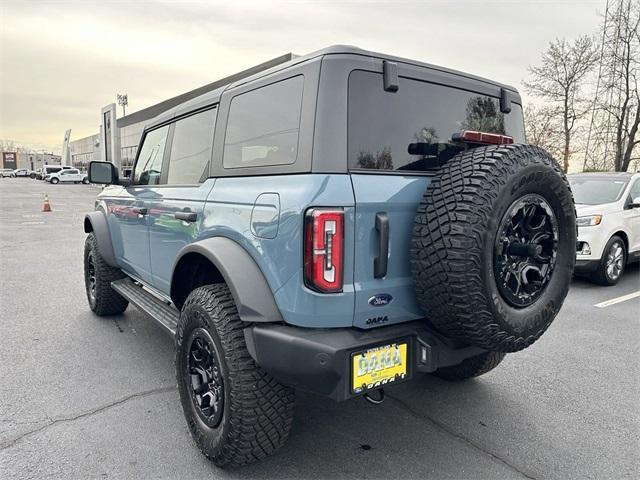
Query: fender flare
[
  {"x": 251, "y": 292},
  {"x": 96, "y": 222}
]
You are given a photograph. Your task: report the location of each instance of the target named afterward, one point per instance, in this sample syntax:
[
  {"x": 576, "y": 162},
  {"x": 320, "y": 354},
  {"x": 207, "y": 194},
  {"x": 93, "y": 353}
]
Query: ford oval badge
[{"x": 380, "y": 300}]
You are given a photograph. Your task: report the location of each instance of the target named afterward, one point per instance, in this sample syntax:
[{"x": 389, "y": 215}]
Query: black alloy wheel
[
  {"x": 205, "y": 376},
  {"x": 91, "y": 277},
  {"x": 525, "y": 250}
]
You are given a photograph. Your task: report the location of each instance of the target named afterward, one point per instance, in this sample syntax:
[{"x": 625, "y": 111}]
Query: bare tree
[
  {"x": 7, "y": 145},
  {"x": 559, "y": 80},
  {"x": 544, "y": 128},
  {"x": 619, "y": 98}
]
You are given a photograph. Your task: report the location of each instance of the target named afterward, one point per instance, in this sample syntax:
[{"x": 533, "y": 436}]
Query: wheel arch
[
  {"x": 623, "y": 235},
  {"x": 221, "y": 260},
  {"x": 96, "y": 223}
]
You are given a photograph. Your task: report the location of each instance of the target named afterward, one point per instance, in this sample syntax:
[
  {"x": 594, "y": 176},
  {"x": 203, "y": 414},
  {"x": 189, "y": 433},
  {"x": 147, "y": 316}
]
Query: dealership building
[
  {"x": 118, "y": 138},
  {"x": 21, "y": 158}
]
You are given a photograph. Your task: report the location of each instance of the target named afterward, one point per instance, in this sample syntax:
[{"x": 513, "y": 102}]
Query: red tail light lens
[
  {"x": 471, "y": 136},
  {"x": 324, "y": 249}
]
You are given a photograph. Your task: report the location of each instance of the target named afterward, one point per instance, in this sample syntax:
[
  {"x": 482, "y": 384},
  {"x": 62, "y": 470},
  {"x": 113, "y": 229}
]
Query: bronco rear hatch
[{"x": 396, "y": 139}]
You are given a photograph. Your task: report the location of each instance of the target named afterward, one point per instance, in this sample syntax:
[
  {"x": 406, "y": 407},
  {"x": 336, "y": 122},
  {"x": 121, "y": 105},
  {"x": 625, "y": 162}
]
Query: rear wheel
[
  {"x": 612, "y": 263},
  {"x": 98, "y": 276},
  {"x": 236, "y": 412},
  {"x": 471, "y": 367},
  {"x": 493, "y": 246}
]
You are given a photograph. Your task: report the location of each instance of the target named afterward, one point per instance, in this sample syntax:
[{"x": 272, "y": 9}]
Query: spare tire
[{"x": 493, "y": 246}]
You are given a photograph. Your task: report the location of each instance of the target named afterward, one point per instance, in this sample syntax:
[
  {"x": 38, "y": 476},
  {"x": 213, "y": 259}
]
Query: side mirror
[
  {"x": 103, "y": 172},
  {"x": 635, "y": 203}
]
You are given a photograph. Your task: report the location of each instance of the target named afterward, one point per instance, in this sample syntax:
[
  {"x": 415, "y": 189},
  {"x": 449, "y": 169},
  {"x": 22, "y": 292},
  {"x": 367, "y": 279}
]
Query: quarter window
[
  {"x": 263, "y": 125},
  {"x": 149, "y": 165},
  {"x": 191, "y": 148}
]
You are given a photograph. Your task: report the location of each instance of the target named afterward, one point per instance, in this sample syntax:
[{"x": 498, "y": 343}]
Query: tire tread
[
  {"x": 448, "y": 237},
  {"x": 108, "y": 301},
  {"x": 261, "y": 409}
]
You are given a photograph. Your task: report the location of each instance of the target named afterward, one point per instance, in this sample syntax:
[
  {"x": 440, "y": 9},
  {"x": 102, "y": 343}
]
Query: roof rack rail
[{"x": 158, "y": 108}]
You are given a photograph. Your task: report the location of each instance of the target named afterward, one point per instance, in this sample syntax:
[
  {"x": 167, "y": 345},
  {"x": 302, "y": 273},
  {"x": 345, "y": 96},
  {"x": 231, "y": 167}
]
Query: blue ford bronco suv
[{"x": 337, "y": 223}]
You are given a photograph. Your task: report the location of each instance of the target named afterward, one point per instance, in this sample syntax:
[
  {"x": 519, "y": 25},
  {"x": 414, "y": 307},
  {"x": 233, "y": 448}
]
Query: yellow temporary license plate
[{"x": 378, "y": 366}]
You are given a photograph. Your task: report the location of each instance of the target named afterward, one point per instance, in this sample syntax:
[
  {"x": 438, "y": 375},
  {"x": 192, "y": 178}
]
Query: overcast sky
[{"x": 61, "y": 61}]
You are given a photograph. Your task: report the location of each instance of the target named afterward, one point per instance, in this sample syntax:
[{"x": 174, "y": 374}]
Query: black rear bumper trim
[{"x": 318, "y": 360}]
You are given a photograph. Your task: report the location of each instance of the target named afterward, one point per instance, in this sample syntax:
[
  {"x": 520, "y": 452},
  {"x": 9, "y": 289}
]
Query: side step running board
[{"x": 166, "y": 315}]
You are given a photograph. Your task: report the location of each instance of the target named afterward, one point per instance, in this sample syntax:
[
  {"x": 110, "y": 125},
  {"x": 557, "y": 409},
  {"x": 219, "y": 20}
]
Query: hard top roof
[{"x": 211, "y": 93}]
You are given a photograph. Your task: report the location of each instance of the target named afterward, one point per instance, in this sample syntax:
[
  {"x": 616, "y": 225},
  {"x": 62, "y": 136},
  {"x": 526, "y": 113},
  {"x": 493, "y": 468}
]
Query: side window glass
[
  {"x": 149, "y": 165},
  {"x": 263, "y": 125},
  {"x": 191, "y": 148}
]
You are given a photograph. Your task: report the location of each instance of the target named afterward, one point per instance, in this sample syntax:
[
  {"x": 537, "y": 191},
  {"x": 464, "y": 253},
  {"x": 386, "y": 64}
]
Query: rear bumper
[{"x": 319, "y": 360}]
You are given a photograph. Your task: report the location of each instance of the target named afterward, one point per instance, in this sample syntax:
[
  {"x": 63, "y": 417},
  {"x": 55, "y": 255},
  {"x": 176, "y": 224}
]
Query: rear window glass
[
  {"x": 383, "y": 124},
  {"x": 263, "y": 125}
]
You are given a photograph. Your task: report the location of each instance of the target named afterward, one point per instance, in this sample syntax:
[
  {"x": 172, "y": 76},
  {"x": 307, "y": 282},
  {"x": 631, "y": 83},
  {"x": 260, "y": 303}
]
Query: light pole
[{"x": 123, "y": 100}]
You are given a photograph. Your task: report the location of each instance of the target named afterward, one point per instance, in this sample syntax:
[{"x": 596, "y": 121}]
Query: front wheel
[
  {"x": 612, "y": 263},
  {"x": 54, "y": 180},
  {"x": 85, "y": 181},
  {"x": 236, "y": 412},
  {"x": 98, "y": 276}
]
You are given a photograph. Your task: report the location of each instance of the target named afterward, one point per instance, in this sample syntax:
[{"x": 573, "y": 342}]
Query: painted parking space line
[{"x": 621, "y": 299}]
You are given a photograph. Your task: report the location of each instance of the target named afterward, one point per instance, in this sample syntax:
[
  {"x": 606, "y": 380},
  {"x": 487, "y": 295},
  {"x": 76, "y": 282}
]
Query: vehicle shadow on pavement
[
  {"x": 401, "y": 438},
  {"x": 631, "y": 277}
]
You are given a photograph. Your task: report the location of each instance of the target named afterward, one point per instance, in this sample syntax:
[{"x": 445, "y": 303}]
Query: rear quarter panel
[{"x": 229, "y": 210}]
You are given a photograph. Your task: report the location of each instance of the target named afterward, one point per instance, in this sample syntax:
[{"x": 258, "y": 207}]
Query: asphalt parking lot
[{"x": 88, "y": 397}]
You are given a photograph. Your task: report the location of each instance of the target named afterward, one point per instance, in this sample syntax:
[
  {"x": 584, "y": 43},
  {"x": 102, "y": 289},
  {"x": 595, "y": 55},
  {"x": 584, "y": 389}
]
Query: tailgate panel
[{"x": 398, "y": 196}]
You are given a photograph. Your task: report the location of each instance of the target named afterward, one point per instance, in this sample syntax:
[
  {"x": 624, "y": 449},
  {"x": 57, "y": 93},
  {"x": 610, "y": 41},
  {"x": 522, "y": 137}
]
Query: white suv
[
  {"x": 68, "y": 175},
  {"x": 608, "y": 210}
]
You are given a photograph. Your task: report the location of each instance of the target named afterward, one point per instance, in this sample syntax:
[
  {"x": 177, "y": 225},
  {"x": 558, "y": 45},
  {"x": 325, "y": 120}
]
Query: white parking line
[{"x": 613, "y": 301}]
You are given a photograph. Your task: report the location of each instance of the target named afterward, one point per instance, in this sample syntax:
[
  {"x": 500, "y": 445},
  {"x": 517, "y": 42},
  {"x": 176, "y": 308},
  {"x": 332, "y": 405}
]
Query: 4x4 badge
[{"x": 380, "y": 300}]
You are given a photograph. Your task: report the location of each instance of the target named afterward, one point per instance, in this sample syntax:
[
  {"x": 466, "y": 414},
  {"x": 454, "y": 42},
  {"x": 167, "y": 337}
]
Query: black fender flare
[
  {"x": 96, "y": 222},
  {"x": 249, "y": 288}
]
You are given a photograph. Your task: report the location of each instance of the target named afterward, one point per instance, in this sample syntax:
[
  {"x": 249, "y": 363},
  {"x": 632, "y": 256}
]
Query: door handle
[
  {"x": 186, "y": 216},
  {"x": 381, "y": 261},
  {"x": 140, "y": 210}
]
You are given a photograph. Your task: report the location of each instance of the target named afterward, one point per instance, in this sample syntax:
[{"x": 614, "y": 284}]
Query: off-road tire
[
  {"x": 454, "y": 235},
  {"x": 600, "y": 276},
  {"x": 257, "y": 410},
  {"x": 106, "y": 300},
  {"x": 471, "y": 367}
]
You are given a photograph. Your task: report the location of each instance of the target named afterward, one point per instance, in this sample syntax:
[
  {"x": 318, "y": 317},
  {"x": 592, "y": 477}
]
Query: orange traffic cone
[{"x": 46, "y": 207}]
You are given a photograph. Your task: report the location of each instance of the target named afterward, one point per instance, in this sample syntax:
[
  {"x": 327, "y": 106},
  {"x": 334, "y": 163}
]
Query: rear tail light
[
  {"x": 471, "y": 136},
  {"x": 324, "y": 249}
]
